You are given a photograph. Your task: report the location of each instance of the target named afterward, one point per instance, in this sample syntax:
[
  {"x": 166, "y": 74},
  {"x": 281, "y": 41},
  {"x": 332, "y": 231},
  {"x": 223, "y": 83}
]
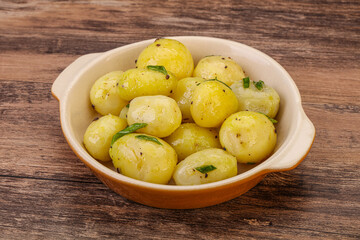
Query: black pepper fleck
[
  {"x": 93, "y": 106},
  {"x": 206, "y": 175},
  {"x": 140, "y": 153},
  {"x": 118, "y": 170},
  {"x": 223, "y": 90},
  {"x": 191, "y": 102},
  {"x": 135, "y": 60},
  {"x": 167, "y": 76},
  {"x": 170, "y": 91},
  {"x": 95, "y": 119},
  {"x": 158, "y": 45},
  {"x": 225, "y": 66},
  {"x": 216, "y": 136}
]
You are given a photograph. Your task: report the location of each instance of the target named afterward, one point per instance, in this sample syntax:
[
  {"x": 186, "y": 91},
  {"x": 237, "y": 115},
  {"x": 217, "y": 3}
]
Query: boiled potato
[
  {"x": 124, "y": 111},
  {"x": 161, "y": 113},
  {"x": 249, "y": 136},
  {"x": 265, "y": 99},
  {"x": 190, "y": 138},
  {"x": 211, "y": 103},
  {"x": 99, "y": 133},
  {"x": 171, "y": 54},
  {"x": 183, "y": 93},
  {"x": 193, "y": 170},
  {"x": 143, "y": 82},
  {"x": 223, "y": 68},
  {"x": 143, "y": 159},
  {"x": 104, "y": 94}
]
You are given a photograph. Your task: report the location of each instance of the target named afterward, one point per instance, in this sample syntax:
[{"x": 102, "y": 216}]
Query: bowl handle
[
  {"x": 67, "y": 75},
  {"x": 300, "y": 148}
]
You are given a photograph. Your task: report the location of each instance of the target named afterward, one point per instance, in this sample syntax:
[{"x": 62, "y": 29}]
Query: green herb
[
  {"x": 128, "y": 105},
  {"x": 157, "y": 68},
  {"x": 148, "y": 138},
  {"x": 259, "y": 85},
  {"x": 205, "y": 168},
  {"x": 271, "y": 119},
  {"x": 129, "y": 129},
  {"x": 246, "y": 82},
  {"x": 214, "y": 79}
]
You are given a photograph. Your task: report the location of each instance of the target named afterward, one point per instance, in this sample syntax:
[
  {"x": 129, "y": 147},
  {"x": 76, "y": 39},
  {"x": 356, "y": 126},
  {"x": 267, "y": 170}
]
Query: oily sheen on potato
[
  {"x": 104, "y": 94},
  {"x": 192, "y": 170},
  {"x": 190, "y": 138},
  {"x": 263, "y": 99},
  {"x": 249, "y": 136},
  {"x": 183, "y": 93},
  {"x": 171, "y": 54},
  {"x": 161, "y": 113},
  {"x": 98, "y": 135},
  {"x": 223, "y": 68},
  {"x": 144, "y": 160},
  {"x": 145, "y": 82},
  {"x": 211, "y": 103}
]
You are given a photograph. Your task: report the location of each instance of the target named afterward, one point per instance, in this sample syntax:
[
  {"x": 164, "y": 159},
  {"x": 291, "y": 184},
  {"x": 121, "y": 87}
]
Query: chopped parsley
[
  {"x": 246, "y": 82},
  {"x": 259, "y": 85}
]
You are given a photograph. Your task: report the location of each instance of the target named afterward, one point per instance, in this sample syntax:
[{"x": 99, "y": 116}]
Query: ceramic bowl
[{"x": 295, "y": 131}]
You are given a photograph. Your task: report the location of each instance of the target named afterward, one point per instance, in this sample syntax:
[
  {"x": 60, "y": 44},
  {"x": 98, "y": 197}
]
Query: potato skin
[
  {"x": 161, "y": 113},
  {"x": 144, "y": 82},
  {"x": 104, "y": 94},
  {"x": 98, "y": 135},
  {"x": 225, "y": 163},
  {"x": 183, "y": 93},
  {"x": 190, "y": 138},
  {"x": 171, "y": 54},
  {"x": 249, "y": 136},
  {"x": 144, "y": 160},
  {"x": 211, "y": 103},
  {"x": 266, "y": 100},
  {"x": 223, "y": 68},
  {"x": 123, "y": 112}
]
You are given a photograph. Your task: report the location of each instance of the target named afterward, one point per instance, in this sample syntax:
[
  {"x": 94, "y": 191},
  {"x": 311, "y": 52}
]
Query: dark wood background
[{"x": 47, "y": 193}]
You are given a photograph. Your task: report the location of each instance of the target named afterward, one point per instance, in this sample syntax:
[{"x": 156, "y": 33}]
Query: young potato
[
  {"x": 190, "y": 138},
  {"x": 211, "y": 103},
  {"x": 183, "y": 93},
  {"x": 265, "y": 100},
  {"x": 171, "y": 54},
  {"x": 124, "y": 111},
  {"x": 104, "y": 94},
  {"x": 142, "y": 159},
  {"x": 223, "y": 68},
  {"x": 193, "y": 169},
  {"x": 144, "y": 82},
  {"x": 161, "y": 113},
  {"x": 249, "y": 136},
  {"x": 98, "y": 135}
]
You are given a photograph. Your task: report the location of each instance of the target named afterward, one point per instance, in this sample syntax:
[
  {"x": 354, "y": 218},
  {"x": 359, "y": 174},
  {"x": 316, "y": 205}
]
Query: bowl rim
[{"x": 259, "y": 169}]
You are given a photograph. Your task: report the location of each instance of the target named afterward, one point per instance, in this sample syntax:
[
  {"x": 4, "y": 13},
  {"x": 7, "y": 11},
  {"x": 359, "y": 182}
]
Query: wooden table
[{"x": 47, "y": 193}]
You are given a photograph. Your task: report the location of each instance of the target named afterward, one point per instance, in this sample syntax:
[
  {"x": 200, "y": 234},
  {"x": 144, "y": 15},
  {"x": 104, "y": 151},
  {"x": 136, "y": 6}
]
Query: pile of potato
[{"x": 167, "y": 120}]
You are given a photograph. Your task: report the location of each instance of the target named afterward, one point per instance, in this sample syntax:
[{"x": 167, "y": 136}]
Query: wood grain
[{"x": 47, "y": 193}]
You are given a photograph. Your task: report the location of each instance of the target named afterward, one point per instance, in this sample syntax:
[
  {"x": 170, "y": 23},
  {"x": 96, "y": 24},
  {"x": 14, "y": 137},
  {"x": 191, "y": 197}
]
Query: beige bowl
[{"x": 295, "y": 131}]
